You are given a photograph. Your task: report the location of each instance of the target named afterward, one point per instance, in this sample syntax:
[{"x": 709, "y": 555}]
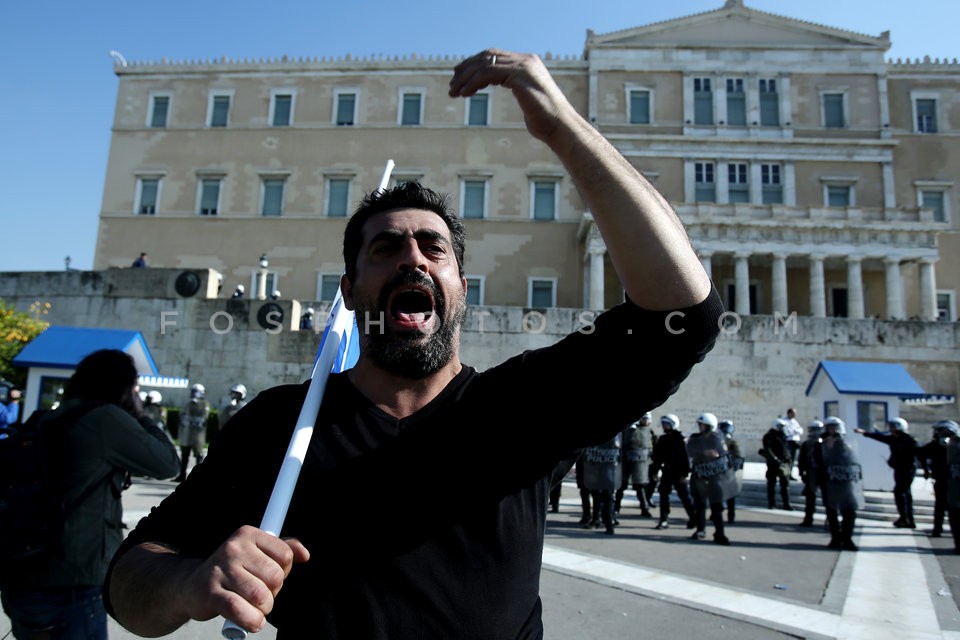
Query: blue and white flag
[{"x": 349, "y": 345}]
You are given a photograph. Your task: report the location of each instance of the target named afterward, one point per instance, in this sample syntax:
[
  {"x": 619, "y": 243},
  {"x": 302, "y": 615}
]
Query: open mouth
[{"x": 411, "y": 307}]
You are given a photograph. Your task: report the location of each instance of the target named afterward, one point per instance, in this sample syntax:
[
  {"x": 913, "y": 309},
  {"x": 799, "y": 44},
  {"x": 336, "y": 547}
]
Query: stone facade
[
  {"x": 760, "y": 365},
  {"x": 815, "y": 176}
]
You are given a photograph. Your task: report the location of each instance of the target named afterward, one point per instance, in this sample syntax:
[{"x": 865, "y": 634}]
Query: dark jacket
[
  {"x": 903, "y": 449},
  {"x": 933, "y": 460},
  {"x": 94, "y": 455},
  {"x": 775, "y": 445},
  {"x": 670, "y": 454}
]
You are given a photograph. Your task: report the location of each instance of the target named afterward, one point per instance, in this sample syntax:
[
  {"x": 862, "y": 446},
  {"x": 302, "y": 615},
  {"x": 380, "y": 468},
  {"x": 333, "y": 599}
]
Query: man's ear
[{"x": 346, "y": 290}]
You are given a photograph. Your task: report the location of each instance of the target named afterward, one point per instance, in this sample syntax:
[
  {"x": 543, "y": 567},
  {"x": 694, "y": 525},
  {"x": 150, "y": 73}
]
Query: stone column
[
  {"x": 855, "y": 309},
  {"x": 895, "y": 309},
  {"x": 596, "y": 277},
  {"x": 818, "y": 299},
  {"x": 706, "y": 259},
  {"x": 778, "y": 277},
  {"x": 928, "y": 289},
  {"x": 742, "y": 274},
  {"x": 262, "y": 283}
]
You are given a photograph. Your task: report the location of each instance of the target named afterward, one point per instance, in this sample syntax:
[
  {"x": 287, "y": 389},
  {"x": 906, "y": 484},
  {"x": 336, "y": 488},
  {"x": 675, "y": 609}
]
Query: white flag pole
[{"x": 338, "y": 324}]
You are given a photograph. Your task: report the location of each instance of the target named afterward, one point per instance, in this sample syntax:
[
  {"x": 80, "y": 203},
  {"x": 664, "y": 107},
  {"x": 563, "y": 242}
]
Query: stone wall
[{"x": 759, "y": 367}]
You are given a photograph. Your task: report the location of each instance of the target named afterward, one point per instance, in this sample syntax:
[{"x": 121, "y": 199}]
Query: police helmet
[
  {"x": 308, "y": 312},
  {"x": 779, "y": 424},
  {"x": 948, "y": 425},
  {"x": 275, "y": 295},
  {"x": 241, "y": 288},
  {"x": 240, "y": 390},
  {"x": 647, "y": 416},
  {"x": 670, "y": 420},
  {"x": 708, "y": 419},
  {"x": 198, "y": 390},
  {"x": 726, "y": 427},
  {"x": 143, "y": 396},
  {"x": 833, "y": 424},
  {"x": 154, "y": 397},
  {"x": 815, "y": 428},
  {"x": 898, "y": 424}
]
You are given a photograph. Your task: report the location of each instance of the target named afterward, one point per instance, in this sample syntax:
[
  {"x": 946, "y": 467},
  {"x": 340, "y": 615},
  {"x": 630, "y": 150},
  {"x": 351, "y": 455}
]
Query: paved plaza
[{"x": 776, "y": 580}]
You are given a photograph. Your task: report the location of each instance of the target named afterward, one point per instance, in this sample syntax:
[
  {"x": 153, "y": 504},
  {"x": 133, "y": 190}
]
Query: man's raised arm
[{"x": 647, "y": 243}]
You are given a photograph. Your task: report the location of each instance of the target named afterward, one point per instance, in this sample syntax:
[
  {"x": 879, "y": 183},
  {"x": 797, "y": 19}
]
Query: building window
[
  {"x": 478, "y": 110},
  {"x": 738, "y": 188},
  {"x": 345, "y": 112},
  {"x": 736, "y": 102},
  {"x": 871, "y": 415},
  {"x": 772, "y": 187},
  {"x": 934, "y": 200},
  {"x": 833, "y": 111},
  {"x": 838, "y": 195},
  {"x": 272, "y": 280},
  {"x": 411, "y": 108},
  {"x": 705, "y": 187},
  {"x": 541, "y": 293},
  {"x": 769, "y": 103},
  {"x": 946, "y": 306},
  {"x": 159, "y": 108},
  {"x": 219, "y": 110},
  {"x": 281, "y": 110},
  {"x": 838, "y": 302},
  {"x": 148, "y": 193},
  {"x": 474, "y": 199},
  {"x": 926, "y": 110},
  {"x": 543, "y": 199},
  {"x": 474, "y": 290},
  {"x": 272, "y": 197},
  {"x": 338, "y": 197},
  {"x": 209, "y": 200},
  {"x": 702, "y": 101},
  {"x": 328, "y": 286},
  {"x": 639, "y": 106}
]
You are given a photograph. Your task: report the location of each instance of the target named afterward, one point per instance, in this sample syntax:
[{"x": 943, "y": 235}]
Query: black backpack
[{"x": 32, "y": 510}]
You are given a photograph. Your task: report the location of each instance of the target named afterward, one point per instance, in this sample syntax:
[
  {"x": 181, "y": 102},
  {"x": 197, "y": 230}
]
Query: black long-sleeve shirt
[{"x": 451, "y": 545}]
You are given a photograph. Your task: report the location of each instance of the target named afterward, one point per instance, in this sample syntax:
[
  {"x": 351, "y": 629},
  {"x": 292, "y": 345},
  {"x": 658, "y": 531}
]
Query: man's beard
[{"x": 408, "y": 354}]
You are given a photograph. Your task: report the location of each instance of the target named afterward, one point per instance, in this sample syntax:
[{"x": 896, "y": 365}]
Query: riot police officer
[
  {"x": 636, "y": 461},
  {"x": 903, "y": 461},
  {"x": 933, "y": 460},
  {"x": 842, "y": 477},
  {"x": 808, "y": 474},
  {"x": 238, "y": 394},
  {"x": 193, "y": 429},
  {"x": 953, "y": 479},
  {"x": 779, "y": 465},
  {"x": 602, "y": 475},
  {"x": 712, "y": 478},
  {"x": 670, "y": 455},
  {"x": 727, "y": 428},
  {"x": 153, "y": 408}
]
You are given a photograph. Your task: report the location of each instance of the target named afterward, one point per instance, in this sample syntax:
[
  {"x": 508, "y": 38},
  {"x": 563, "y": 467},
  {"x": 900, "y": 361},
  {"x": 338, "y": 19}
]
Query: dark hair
[
  {"x": 107, "y": 375},
  {"x": 407, "y": 195}
]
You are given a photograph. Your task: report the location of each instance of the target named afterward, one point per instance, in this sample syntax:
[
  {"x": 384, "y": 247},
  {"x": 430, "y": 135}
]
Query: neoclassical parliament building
[{"x": 815, "y": 176}]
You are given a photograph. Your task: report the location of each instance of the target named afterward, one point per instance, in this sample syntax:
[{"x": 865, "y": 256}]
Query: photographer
[{"x": 94, "y": 440}]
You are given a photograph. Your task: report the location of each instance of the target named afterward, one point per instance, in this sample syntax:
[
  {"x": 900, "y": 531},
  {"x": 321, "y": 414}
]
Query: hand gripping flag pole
[{"x": 338, "y": 351}]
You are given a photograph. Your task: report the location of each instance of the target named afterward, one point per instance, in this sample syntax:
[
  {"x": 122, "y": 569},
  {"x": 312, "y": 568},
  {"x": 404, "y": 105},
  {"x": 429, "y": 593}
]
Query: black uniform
[
  {"x": 812, "y": 484},
  {"x": 779, "y": 467},
  {"x": 670, "y": 454},
  {"x": 903, "y": 461},
  {"x": 933, "y": 460}
]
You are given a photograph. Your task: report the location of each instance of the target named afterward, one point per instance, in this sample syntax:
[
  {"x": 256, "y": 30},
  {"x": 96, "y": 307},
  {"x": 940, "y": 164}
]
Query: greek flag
[{"x": 342, "y": 327}]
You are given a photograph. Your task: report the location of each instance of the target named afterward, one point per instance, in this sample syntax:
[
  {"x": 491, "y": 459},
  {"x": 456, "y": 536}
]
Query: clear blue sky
[{"x": 59, "y": 88}]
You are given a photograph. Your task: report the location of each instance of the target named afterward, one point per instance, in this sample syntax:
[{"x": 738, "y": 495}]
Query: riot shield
[
  {"x": 844, "y": 475},
  {"x": 636, "y": 454},
  {"x": 601, "y": 466},
  {"x": 713, "y": 478}
]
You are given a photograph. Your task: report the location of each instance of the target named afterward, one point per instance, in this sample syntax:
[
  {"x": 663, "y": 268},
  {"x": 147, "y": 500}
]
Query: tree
[{"x": 17, "y": 328}]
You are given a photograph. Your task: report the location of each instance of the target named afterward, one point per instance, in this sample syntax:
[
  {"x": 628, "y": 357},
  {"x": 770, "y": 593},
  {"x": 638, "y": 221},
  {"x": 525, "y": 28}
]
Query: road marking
[{"x": 888, "y": 595}]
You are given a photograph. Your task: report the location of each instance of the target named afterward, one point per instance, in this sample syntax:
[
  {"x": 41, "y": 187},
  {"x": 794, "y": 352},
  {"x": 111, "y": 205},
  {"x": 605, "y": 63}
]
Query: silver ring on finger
[{"x": 493, "y": 60}]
